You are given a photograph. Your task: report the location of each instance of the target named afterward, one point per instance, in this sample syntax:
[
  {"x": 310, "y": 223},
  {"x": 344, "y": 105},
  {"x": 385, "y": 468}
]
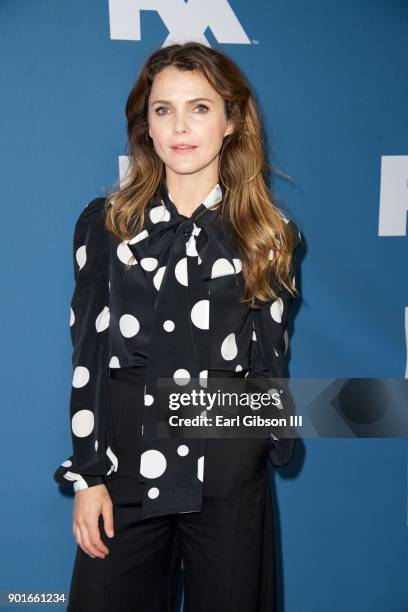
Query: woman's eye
[
  {"x": 159, "y": 108},
  {"x": 202, "y": 106}
]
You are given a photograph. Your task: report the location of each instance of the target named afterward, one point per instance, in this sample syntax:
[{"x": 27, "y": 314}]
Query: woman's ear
[{"x": 230, "y": 128}]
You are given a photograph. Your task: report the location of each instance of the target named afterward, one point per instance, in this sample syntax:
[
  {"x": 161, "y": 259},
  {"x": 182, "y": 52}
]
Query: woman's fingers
[
  {"x": 107, "y": 515},
  {"x": 91, "y": 538},
  {"x": 78, "y": 538}
]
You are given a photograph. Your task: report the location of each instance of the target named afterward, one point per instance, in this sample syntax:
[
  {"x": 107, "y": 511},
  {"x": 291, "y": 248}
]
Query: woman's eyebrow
[{"x": 188, "y": 101}]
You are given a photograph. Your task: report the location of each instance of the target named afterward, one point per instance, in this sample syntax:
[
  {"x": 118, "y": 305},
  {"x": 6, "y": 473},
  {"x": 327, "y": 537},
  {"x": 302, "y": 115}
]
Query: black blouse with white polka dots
[{"x": 176, "y": 311}]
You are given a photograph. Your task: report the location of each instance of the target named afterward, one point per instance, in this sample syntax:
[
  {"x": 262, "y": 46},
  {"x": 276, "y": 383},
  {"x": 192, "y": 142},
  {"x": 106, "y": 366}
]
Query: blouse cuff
[
  {"x": 87, "y": 482},
  {"x": 281, "y": 447},
  {"x": 281, "y": 451},
  {"x": 66, "y": 474}
]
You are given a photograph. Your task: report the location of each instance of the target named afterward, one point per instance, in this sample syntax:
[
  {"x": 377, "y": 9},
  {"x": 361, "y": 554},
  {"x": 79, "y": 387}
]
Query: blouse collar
[{"x": 213, "y": 198}]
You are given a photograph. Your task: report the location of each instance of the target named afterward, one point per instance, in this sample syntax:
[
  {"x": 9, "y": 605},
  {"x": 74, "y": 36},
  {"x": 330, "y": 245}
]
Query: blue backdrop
[{"x": 331, "y": 81}]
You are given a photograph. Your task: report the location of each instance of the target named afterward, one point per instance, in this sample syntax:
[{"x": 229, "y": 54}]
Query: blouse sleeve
[
  {"x": 89, "y": 321},
  {"x": 268, "y": 361}
]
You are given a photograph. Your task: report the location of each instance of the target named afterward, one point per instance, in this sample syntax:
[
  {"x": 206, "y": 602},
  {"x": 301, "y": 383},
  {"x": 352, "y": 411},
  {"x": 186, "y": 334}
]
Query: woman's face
[{"x": 185, "y": 109}]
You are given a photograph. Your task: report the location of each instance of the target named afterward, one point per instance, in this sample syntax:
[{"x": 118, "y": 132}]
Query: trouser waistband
[{"x": 138, "y": 374}]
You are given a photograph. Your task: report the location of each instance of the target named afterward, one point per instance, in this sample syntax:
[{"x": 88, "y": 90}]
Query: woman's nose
[{"x": 181, "y": 124}]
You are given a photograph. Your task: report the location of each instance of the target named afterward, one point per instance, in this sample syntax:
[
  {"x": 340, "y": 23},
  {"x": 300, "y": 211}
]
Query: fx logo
[{"x": 184, "y": 20}]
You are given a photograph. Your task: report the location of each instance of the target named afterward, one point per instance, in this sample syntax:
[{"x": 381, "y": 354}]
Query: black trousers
[{"x": 226, "y": 549}]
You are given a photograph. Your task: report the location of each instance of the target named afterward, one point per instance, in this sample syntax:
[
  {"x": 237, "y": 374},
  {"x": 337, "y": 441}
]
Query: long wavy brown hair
[{"x": 263, "y": 237}]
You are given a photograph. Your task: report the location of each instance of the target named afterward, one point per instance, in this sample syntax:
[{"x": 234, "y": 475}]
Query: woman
[{"x": 183, "y": 275}]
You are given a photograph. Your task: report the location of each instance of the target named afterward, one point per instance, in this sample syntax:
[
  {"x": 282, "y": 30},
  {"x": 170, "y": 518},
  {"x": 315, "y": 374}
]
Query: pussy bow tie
[{"x": 178, "y": 254}]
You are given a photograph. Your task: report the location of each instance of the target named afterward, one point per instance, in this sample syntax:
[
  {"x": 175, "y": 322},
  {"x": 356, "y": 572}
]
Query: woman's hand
[{"x": 89, "y": 504}]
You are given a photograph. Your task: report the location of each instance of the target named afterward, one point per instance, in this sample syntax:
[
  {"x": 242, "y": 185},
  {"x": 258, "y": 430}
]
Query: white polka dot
[
  {"x": 153, "y": 493},
  {"x": 80, "y": 256},
  {"x": 200, "y": 468},
  {"x": 148, "y": 399},
  {"x": 286, "y": 340},
  {"x": 129, "y": 325},
  {"x": 254, "y": 335},
  {"x": 203, "y": 378},
  {"x": 183, "y": 450},
  {"x": 153, "y": 464},
  {"x": 96, "y": 445},
  {"x": 180, "y": 271},
  {"x": 273, "y": 393},
  {"x": 222, "y": 267},
  {"x": 77, "y": 479},
  {"x": 158, "y": 277},
  {"x": 113, "y": 459},
  {"x": 71, "y": 317},
  {"x": 102, "y": 320},
  {"x": 237, "y": 264},
  {"x": 200, "y": 314},
  {"x": 114, "y": 362},
  {"x": 124, "y": 254},
  {"x": 140, "y": 236},
  {"x": 82, "y": 423},
  {"x": 67, "y": 463},
  {"x": 191, "y": 245},
  {"x": 80, "y": 377},
  {"x": 159, "y": 213},
  {"x": 276, "y": 310},
  {"x": 238, "y": 368},
  {"x": 149, "y": 263},
  {"x": 181, "y": 377},
  {"x": 229, "y": 347},
  {"x": 168, "y": 325}
]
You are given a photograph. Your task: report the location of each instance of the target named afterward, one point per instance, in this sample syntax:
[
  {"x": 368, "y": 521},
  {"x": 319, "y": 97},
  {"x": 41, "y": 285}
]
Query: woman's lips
[{"x": 183, "y": 150}]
